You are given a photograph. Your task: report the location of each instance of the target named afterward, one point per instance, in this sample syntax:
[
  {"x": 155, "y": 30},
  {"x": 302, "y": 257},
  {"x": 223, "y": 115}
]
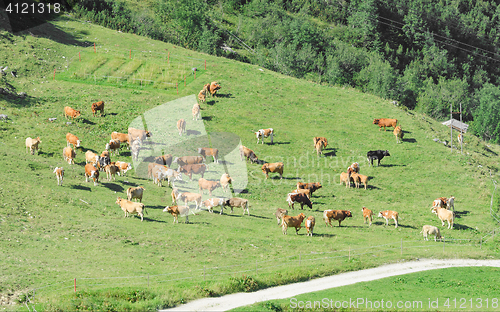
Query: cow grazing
[
  {"x": 69, "y": 112},
  {"x": 273, "y": 167},
  {"x": 59, "y": 171},
  {"x": 312, "y": 186},
  {"x": 431, "y": 230},
  {"x": 207, "y": 185},
  {"x": 295, "y": 222},
  {"x": 130, "y": 207},
  {"x": 97, "y": 106},
  {"x": 225, "y": 180},
  {"x": 378, "y": 155},
  {"x": 122, "y": 137},
  {"x": 32, "y": 145},
  {"x": 238, "y": 202},
  {"x": 196, "y": 111},
  {"x": 124, "y": 167},
  {"x": 213, "y": 88},
  {"x": 248, "y": 154},
  {"x": 135, "y": 192},
  {"x": 188, "y": 160},
  {"x": 344, "y": 178},
  {"x": 202, "y": 96},
  {"x": 91, "y": 172},
  {"x": 367, "y": 215},
  {"x": 387, "y": 215},
  {"x": 189, "y": 170},
  {"x": 111, "y": 171},
  {"x": 72, "y": 140},
  {"x": 69, "y": 155},
  {"x": 385, "y": 122},
  {"x": 451, "y": 203},
  {"x": 213, "y": 202},
  {"x": 310, "y": 222},
  {"x": 135, "y": 134},
  {"x": 165, "y": 160},
  {"x": 359, "y": 178},
  {"x": 338, "y": 215},
  {"x": 302, "y": 199},
  {"x": 323, "y": 141},
  {"x": 190, "y": 197},
  {"x": 279, "y": 214},
  {"x": 113, "y": 146},
  {"x": 445, "y": 215},
  {"x": 264, "y": 133},
  {"x": 398, "y": 132},
  {"x": 206, "y": 151},
  {"x": 181, "y": 126},
  {"x": 177, "y": 211}
]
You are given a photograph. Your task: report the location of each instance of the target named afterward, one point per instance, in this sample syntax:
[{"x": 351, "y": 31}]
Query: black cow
[{"x": 378, "y": 154}]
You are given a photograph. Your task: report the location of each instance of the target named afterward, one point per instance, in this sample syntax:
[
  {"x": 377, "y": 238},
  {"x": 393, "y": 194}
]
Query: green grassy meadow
[
  {"x": 54, "y": 235},
  {"x": 469, "y": 289}
]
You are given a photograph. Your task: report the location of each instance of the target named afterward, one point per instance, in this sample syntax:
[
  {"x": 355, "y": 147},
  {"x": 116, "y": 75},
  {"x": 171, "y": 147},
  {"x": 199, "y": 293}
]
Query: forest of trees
[{"x": 425, "y": 54}]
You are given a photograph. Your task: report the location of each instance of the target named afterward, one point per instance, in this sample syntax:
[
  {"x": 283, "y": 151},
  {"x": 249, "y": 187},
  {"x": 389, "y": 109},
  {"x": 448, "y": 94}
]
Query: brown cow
[
  {"x": 113, "y": 146},
  {"x": 123, "y": 166},
  {"x": 385, "y": 122},
  {"x": 122, "y": 137},
  {"x": 207, "y": 151},
  {"x": 196, "y": 111},
  {"x": 344, "y": 178},
  {"x": 91, "y": 172},
  {"x": 213, "y": 88},
  {"x": 181, "y": 126},
  {"x": 69, "y": 155},
  {"x": 135, "y": 192},
  {"x": 97, "y": 106},
  {"x": 238, "y": 202},
  {"x": 302, "y": 199},
  {"x": 225, "y": 180},
  {"x": 73, "y": 113},
  {"x": 398, "y": 132},
  {"x": 135, "y": 134},
  {"x": 359, "y": 178},
  {"x": 111, "y": 171},
  {"x": 130, "y": 207},
  {"x": 59, "y": 171},
  {"x": 32, "y": 145},
  {"x": 248, "y": 154},
  {"x": 207, "y": 185},
  {"x": 273, "y": 167},
  {"x": 310, "y": 222},
  {"x": 264, "y": 133},
  {"x": 190, "y": 169},
  {"x": 72, "y": 139},
  {"x": 165, "y": 160},
  {"x": 339, "y": 215},
  {"x": 202, "y": 96},
  {"x": 295, "y": 222},
  {"x": 213, "y": 202},
  {"x": 367, "y": 215},
  {"x": 320, "y": 139},
  {"x": 389, "y": 214},
  {"x": 307, "y": 192},
  {"x": 312, "y": 186},
  {"x": 177, "y": 211},
  {"x": 190, "y": 197},
  {"x": 188, "y": 160}
]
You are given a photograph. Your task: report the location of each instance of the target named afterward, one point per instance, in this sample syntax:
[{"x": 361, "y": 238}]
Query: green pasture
[
  {"x": 54, "y": 235},
  {"x": 452, "y": 289}
]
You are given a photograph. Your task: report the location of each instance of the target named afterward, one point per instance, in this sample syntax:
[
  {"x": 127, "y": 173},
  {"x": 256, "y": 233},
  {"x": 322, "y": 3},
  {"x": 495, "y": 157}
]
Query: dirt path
[{"x": 242, "y": 299}]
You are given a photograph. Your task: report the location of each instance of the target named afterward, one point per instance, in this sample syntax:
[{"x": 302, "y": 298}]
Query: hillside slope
[{"x": 56, "y": 234}]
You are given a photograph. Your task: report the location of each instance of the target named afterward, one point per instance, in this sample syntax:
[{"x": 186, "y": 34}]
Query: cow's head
[
  {"x": 118, "y": 200},
  {"x": 386, "y": 153},
  {"x": 380, "y": 215},
  {"x": 375, "y": 121},
  {"x": 302, "y": 216},
  {"x": 348, "y": 214}
]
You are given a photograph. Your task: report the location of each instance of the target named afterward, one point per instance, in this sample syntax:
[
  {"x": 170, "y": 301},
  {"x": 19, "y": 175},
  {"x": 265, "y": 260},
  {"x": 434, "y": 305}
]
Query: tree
[{"x": 487, "y": 116}]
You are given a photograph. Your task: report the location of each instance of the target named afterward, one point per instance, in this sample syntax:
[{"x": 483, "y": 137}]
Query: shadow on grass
[
  {"x": 460, "y": 227},
  {"x": 192, "y": 132},
  {"x": 152, "y": 220},
  {"x": 79, "y": 187},
  {"x": 113, "y": 186},
  {"x": 409, "y": 140},
  {"x": 459, "y": 214},
  {"x": 406, "y": 226},
  {"x": 325, "y": 235},
  {"x": 277, "y": 143},
  {"x": 391, "y": 165},
  {"x": 51, "y": 154},
  {"x": 225, "y": 96},
  {"x": 330, "y": 152},
  {"x": 88, "y": 122},
  {"x": 207, "y": 118}
]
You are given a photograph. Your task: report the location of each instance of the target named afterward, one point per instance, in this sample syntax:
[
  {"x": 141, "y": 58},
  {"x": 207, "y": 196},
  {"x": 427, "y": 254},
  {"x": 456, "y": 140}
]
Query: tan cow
[
  {"x": 323, "y": 140},
  {"x": 175, "y": 193},
  {"x": 279, "y": 214},
  {"x": 206, "y": 151},
  {"x": 113, "y": 146},
  {"x": 450, "y": 204},
  {"x": 135, "y": 192},
  {"x": 213, "y": 202},
  {"x": 190, "y": 169},
  {"x": 387, "y": 215},
  {"x": 248, "y": 154},
  {"x": 69, "y": 155},
  {"x": 344, "y": 178},
  {"x": 359, "y": 178},
  {"x": 213, "y": 88},
  {"x": 338, "y": 215},
  {"x": 111, "y": 171},
  {"x": 295, "y": 222},
  {"x": 196, "y": 111},
  {"x": 207, "y": 185},
  {"x": 310, "y": 222},
  {"x": 445, "y": 215},
  {"x": 72, "y": 140},
  {"x": 122, "y": 137},
  {"x": 273, "y": 167},
  {"x": 181, "y": 126},
  {"x": 91, "y": 157},
  {"x": 311, "y": 186},
  {"x": 190, "y": 197},
  {"x": 135, "y": 134},
  {"x": 91, "y": 172},
  {"x": 124, "y": 167},
  {"x": 69, "y": 112},
  {"x": 307, "y": 192},
  {"x": 97, "y": 106},
  {"x": 188, "y": 160},
  {"x": 130, "y": 207},
  {"x": 264, "y": 133},
  {"x": 302, "y": 199},
  {"x": 202, "y": 95},
  {"x": 225, "y": 180},
  {"x": 59, "y": 171},
  {"x": 398, "y": 132},
  {"x": 367, "y": 215},
  {"x": 165, "y": 160},
  {"x": 238, "y": 202},
  {"x": 319, "y": 148},
  {"x": 385, "y": 122},
  {"x": 431, "y": 230},
  {"x": 177, "y": 211},
  {"x": 151, "y": 166},
  {"x": 32, "y": 145}
]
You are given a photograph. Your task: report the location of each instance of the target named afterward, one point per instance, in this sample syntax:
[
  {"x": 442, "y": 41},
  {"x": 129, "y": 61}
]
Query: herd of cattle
[{"x": 161, "y": 170}]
